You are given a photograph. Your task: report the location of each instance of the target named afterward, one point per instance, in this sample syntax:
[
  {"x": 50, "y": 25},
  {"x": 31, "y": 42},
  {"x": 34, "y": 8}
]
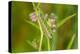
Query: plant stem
[
  {"x": 41, "y": 38},
  {"x": 43, "y": 28},
  {"x": 48, "y": 44}
]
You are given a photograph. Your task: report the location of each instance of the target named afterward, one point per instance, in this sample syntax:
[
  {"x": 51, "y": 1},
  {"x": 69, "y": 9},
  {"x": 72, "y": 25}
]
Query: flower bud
[{"x": 33, "y": 17}]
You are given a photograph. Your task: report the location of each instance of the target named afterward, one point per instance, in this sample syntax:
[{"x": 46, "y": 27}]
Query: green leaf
[
  {"x": 71, "y": 41},
  {"x": 33, "y": 24},
  {"x": 65, "y": 19}
]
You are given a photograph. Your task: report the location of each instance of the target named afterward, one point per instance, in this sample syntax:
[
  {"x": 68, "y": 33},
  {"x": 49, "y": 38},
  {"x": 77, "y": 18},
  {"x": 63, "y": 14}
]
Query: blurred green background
[{"x": 21, "y": 31}]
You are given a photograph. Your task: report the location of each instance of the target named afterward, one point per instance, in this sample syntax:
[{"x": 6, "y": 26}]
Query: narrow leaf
[
  {"x": 33, "y": 24},
  {"x": 65, "y": 19},
  {"x": 71, "y": 41}
]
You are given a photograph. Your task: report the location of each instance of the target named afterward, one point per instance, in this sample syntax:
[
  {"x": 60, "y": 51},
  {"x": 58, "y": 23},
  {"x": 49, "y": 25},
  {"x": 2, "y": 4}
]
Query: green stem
[
  {"x": 42, "y": 28},
  {"x": 41, "y": 38},
  {"x": 48, "y": 44}
]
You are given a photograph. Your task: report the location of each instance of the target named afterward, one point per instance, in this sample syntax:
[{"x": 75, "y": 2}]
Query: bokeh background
[{"x": 21, "y": 31}]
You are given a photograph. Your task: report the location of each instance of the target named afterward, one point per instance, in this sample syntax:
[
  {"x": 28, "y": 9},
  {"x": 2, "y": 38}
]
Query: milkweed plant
[{"x": 48, "y": 28}]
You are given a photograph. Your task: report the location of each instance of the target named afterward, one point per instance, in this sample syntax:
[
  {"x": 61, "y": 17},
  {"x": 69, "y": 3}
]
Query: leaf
[
  {"x": 65, "y": 19},
  {"x": 71, "y": 41},
  {"x": 33, "y": 24}
]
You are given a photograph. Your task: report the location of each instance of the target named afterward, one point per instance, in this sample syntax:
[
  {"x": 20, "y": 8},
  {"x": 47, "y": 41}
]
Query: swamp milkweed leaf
[
  {"x": 33, "y": 24},
  {"x": 71, "y": 41},
  {"x": 65, "y": 19}
]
